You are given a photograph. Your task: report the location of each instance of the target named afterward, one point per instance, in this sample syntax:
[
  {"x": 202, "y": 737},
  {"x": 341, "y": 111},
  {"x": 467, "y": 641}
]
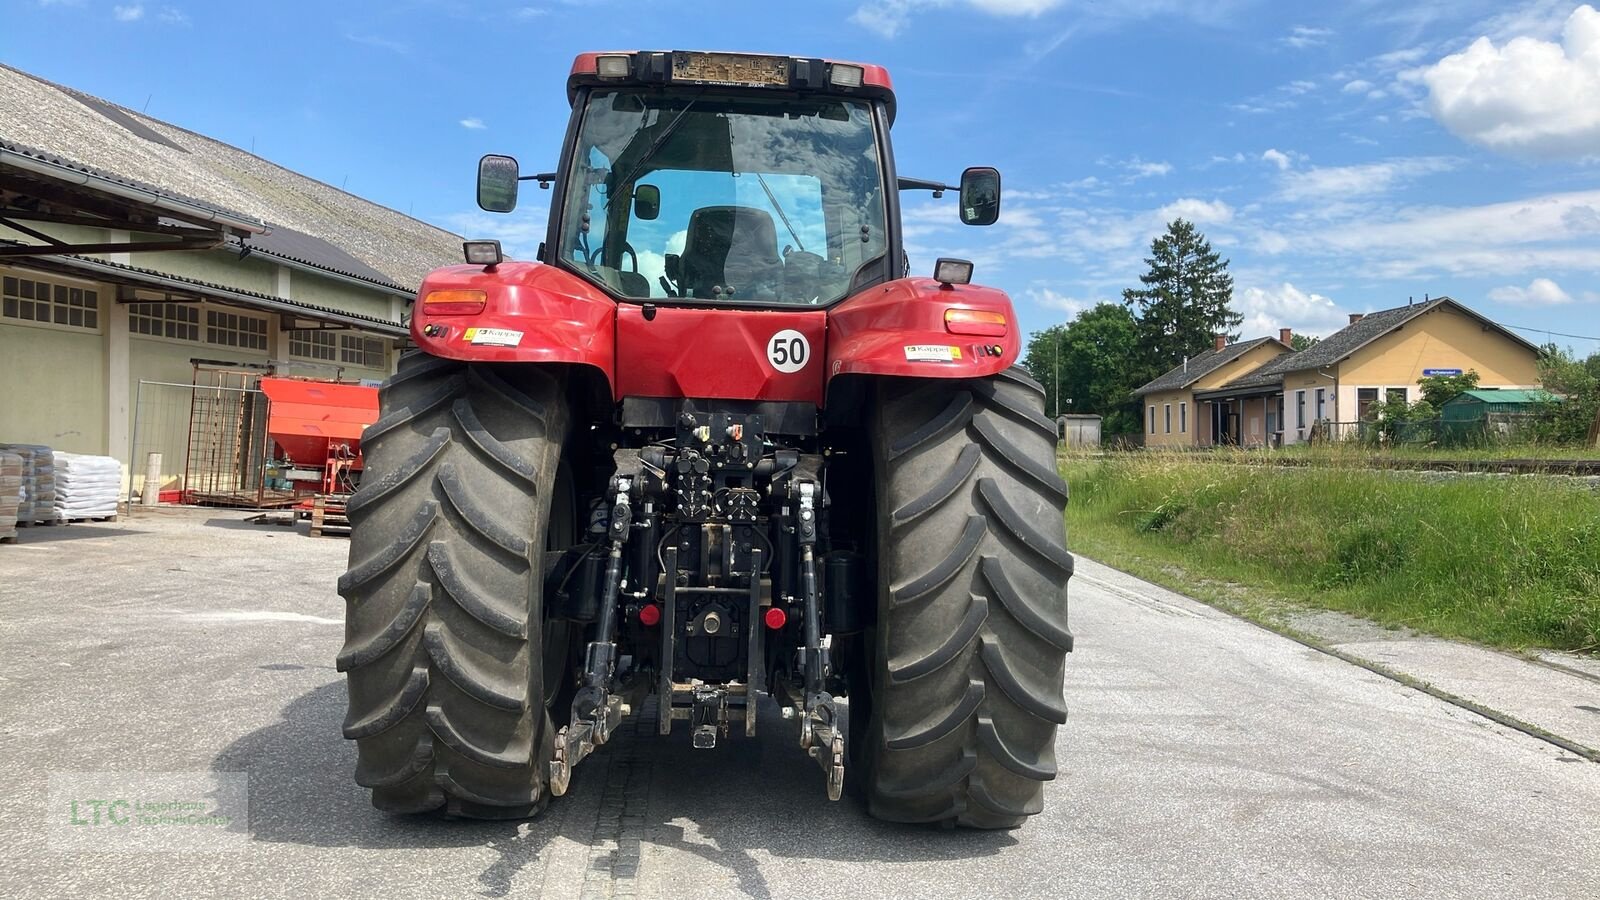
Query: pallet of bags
[
  {"x": 38, "y": 503},
  {"x": 86, "y": 487},
  {"x": 10, "y": 495}
]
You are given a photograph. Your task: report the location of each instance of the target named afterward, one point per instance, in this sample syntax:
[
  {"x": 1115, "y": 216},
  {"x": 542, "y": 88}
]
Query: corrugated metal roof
[
  {"x": 1200, "y": 366},
  {"x": 95, "y": 136}
]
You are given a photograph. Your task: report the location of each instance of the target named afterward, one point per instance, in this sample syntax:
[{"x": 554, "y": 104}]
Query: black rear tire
[
  {"x": 966, "y": 663},
  {"x": 444, "y": 632}
]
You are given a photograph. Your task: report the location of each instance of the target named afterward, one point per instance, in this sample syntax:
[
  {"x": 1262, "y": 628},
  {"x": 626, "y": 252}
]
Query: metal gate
[{"x": 212, "y": 437}]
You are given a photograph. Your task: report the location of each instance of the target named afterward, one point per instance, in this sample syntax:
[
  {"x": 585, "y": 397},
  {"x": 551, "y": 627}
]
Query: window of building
[
  {"x": 1393, "y": 394},
  {"x": 1322, "y": 404},
  {"x": 357, "y": 350},
  {"x": 230, "y": 329},
  {"x": 313, "y": 343},
  {"x": 1152, "y": 419},
  {"x": 1299, "y": 409},
  {"x": 1167, "y": 411},
  {"x": 1183, "y": 418},
  {"x": 1365, "y": 399},
  {"x": 31, "y": 300},
  {"x": 179, "y": 321}
]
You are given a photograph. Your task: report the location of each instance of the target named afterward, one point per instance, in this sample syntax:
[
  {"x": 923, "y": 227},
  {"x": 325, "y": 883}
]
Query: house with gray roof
[
  {"x": 1329, "y": 388},
  {"x": 136, "y": 252},
  {"x": 1173, "y": 419}
]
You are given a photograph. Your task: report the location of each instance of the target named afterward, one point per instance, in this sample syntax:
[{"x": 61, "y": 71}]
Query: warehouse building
[{"x": 136, "y": 253}]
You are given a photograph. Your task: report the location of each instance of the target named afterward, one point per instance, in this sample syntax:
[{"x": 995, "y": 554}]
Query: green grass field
[{"x": 1509, "y": 562}]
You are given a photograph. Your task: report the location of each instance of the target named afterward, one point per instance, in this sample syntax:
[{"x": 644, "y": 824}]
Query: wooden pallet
[{"x": 328, "y": 516}]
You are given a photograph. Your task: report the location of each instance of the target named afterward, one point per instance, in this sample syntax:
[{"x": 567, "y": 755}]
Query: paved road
[{"x": 1205, "y": 758}]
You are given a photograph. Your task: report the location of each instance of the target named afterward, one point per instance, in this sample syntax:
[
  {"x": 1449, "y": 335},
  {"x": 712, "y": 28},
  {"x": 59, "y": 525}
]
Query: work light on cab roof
[{"x": 714, "y": 442}]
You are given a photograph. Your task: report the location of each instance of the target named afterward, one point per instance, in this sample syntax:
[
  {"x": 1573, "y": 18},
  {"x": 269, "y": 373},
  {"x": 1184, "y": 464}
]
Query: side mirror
[
  {"x": 980, "y": 196},
  {"x": 646, "y": 202},
  {"x": 497, "y": 183},
  {"x": 674, "y": 266}
]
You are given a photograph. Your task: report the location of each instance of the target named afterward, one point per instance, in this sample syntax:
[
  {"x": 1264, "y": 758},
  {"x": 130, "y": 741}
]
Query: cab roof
[{"x": 752, "y": 71}]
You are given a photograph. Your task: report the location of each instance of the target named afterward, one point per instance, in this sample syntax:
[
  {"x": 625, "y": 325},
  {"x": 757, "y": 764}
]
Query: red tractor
[{"x": 716, "y": 443}]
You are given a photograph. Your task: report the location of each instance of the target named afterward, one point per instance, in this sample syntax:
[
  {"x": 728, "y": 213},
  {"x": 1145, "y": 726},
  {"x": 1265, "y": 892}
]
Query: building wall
[
  {"x": 43, "y": 363},
  {"x": 1309, "y": 381},
  {"x": 1440, "y": 339},
  {"x": 1180, "y": 403}
]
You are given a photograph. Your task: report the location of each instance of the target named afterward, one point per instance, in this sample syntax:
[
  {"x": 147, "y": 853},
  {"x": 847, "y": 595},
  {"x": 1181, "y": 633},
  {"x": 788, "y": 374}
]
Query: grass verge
[{"x": 1508, "y": 562}]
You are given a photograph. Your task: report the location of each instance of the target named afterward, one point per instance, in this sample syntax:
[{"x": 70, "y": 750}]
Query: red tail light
[
  {"x": 649, "y": 615},
  {"x": 776, "y": 618}
]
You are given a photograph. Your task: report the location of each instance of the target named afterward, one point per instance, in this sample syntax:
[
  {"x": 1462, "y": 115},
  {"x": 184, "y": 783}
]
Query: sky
[{"x": 1344, "y": 156}]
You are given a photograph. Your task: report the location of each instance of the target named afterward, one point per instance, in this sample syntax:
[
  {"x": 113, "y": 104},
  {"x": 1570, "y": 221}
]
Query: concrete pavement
[{"x": 1205, "y": 757}]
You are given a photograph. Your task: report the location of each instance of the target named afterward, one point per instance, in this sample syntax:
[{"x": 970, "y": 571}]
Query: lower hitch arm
[
  {"x": 820, "y": 735},
  {"x": 595, "y": 712}
]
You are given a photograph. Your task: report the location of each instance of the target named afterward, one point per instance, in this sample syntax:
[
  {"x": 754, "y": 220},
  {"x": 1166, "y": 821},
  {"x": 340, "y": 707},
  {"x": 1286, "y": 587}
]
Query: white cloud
[
  {"x": 1527, "y": 97},
  {"x": 529, "y": 12},
  {"x": 1057, "y": 301},
  {"x": 473, "y": 124},
  {"x": 1271, "y": 242},
  {"x": 132, "y": 13},
  {"x": 1340, "y": 182},
  {"x": 1300, "y": 87},
  {"x": 1357, "y": 87},
  {"x": 1539, "y": 292},
  {"x": 889, "y": 17},
  {"x": 372, "y": 40},
  {"x": 1267, "y": 309},
  {"x": 1301, "y": 36},
  {"x": 1277, "y": 158},
  {"x": 171, "y": 15},
  {"x": 1200, "y": 212},
  {"x": 1148, "y": 169}
]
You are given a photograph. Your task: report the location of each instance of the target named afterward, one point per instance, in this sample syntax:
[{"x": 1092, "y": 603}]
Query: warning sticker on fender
[
  {"x": 493, "y": 337},
  {"x": 932, "y": 353}
]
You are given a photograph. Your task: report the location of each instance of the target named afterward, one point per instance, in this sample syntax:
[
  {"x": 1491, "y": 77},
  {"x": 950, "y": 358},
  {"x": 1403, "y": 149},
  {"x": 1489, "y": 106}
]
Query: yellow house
[
  {"x": 1379, "y": 355},
  {"x": 1171, "y": 416}
]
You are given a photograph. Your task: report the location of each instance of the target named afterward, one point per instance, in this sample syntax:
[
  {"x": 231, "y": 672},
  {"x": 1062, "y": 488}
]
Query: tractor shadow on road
[{"x": 748, "y": 798}]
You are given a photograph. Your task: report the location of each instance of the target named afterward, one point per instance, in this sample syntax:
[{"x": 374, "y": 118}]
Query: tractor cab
[{"x": 727, "y": 179}]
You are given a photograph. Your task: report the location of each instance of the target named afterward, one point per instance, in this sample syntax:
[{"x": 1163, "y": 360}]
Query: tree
[
  {"x": 1185, "y": 299},
  {"x": 1437, "y": 390},
  {"x": 1094, "y": 360},
  {"x": 1298, "y": 342},
  {"x": 1577, "y": 384}
]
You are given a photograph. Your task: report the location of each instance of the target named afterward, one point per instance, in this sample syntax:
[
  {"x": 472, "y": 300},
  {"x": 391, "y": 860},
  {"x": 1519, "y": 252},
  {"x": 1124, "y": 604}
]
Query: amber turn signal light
[
  {"x": 454, "y": 303},
  {"x": 975, "y": 321}
]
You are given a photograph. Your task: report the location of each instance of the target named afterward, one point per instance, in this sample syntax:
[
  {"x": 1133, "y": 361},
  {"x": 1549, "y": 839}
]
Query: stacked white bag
[
  {"x": 10, "y": 494},
  {"x": 38, "y": 501},
  {"x": 86, "y": 487}
]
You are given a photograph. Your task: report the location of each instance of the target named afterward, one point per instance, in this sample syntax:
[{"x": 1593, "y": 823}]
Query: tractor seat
[{"x": 729, "y": 246}]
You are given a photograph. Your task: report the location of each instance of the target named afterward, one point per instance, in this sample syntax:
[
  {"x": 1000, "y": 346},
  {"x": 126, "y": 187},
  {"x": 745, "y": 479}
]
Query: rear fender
[
  {"x": 898, "y": 328},
  {"x": 534, "y": 313}
]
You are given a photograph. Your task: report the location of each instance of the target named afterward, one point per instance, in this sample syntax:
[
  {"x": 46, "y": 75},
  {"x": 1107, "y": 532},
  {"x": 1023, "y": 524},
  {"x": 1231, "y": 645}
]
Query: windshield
[{"x": 704, "y": 197}]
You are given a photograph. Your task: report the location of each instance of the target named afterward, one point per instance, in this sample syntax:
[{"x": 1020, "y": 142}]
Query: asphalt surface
[{"x": 1204, "y": 757}]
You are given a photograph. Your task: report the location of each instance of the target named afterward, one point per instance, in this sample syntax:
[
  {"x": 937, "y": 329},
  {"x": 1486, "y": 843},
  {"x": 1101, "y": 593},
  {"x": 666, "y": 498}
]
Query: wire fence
[{"x": 211, "y": 439}]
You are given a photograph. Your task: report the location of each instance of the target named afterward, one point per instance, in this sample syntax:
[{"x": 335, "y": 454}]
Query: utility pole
[{"x": 1057, "y": 371}]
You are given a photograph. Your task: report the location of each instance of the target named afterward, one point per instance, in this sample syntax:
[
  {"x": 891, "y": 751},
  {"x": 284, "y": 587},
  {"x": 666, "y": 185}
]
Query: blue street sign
[{"x": 1429, "y": 373}]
